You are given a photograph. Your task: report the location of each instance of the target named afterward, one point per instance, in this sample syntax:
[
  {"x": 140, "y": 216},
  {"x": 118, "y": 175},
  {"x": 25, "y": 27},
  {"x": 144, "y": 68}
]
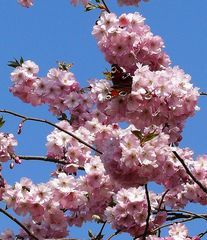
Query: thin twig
[
  {"x": 203, "y": 93},
  {"x": 189, "y": 172},
  {"x": 148, "y": 212},
  {"x": 46, "y": 159},
  {"x": 42, "y": 158},
  {"x": 106, "y": 8},
  {"x": 63, "y": 239},
  {"x": 189, "y": 214},
  {"x": 100, "y": 232},
  {"x": 19, "y": 223},
  {"x": 162, "y": 200},
  {"x": 193, "y": 214},
  {"x": 169, "y": 224},
  {"x": 114, "y": 234},
  {"x": 202, "y": 234},
  {"x": 51, "y": 124}
]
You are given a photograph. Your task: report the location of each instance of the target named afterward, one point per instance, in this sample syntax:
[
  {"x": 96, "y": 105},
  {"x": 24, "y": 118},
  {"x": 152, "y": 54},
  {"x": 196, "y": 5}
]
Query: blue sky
[{"x": 54, "y": 30}]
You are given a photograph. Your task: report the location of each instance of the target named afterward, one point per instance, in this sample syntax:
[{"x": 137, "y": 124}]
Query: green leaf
[
  {"x": 149, "y": 136},
  {"x": 107, "y": 75},
  {"x": 1, "y": 122},
  {"x": 90, "y": 7},
  {"x": 62, "y": 117},
  {"x": 138, "y": 134},
  {"x": 21, "y": 60},
  {"x": 64, "y": 66},
  {"x": 98, "y": 1},
  {"x": 90, "y": 234},
  {"x": 16, "y": 63}
]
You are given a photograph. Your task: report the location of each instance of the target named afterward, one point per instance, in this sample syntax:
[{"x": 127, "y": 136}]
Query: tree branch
[
  {"x": 180, "y": 214},
  {"x": 19, "y": 223},
  {"x": 98, "y": 237},
  {"x": 202, "y": 234},
  {"x": 162, "y": 200},
  {"x": 62, "y": 239},
  {"x": 114, "y": 234},
  {"x": 46, "y": 159},
  {"x": 106, "y": 7},
  {"x": 148, "y": 212},
  {"x": 169, "y": 224},
  {"x": 203, "y": 94},
  {"x": 189, "y": 172},
  {"x": 51, "y": 124}
]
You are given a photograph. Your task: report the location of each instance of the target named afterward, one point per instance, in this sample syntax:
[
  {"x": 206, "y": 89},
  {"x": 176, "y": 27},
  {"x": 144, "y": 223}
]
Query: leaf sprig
[
  {"x": 16, "y": 63},
  {"x": 144, "y": 137}
]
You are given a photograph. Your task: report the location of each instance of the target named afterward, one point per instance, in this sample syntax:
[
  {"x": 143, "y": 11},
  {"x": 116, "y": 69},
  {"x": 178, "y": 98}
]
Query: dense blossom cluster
[
  {"x": 132, "y": 162},
  {"x": 163, "y": 97},
  {"x": 24, "y": 78},
  {"x": 130, "y": 211},
  {"x": 81, "y": 198},
  {"x": 127, "y": 40},
  {"x": 59, "y": 89}
]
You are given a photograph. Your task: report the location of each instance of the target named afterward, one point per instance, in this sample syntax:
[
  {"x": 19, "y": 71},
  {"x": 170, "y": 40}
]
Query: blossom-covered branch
[{"x": 51, "y": 124}]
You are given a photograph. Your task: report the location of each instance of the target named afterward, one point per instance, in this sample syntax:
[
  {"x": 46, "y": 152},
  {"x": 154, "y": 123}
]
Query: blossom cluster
[
  {"x": 158, "y": 98},
  {"x": 177, "y": 231},
  {"x": 127, "y": 41},
  {"x": 130, "y": 211},
  {"x": 62, "y": 146},
  {"x": 23, "y": 78},
  {"x": 7, "y": 144},
  {"x": 37, "y": 200},
  {"x": 59, "y": 89},
  {"x": 63, "y": 201},
  {"x": 132, "y": 161},
  {"x": 192, "y": 191}
]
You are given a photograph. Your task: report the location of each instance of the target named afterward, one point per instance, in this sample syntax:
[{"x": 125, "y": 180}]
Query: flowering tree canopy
[{"x": 113, "y": 139}]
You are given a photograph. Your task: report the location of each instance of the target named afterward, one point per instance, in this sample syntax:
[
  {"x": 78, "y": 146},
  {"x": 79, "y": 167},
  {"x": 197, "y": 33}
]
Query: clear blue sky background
[{"x": 54, "y": 30}]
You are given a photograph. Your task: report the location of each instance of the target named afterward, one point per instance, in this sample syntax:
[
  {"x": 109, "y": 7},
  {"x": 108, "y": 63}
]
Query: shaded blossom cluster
[
  {"x": 158, "y": 98},
  {"x": 127, "y": 41}
]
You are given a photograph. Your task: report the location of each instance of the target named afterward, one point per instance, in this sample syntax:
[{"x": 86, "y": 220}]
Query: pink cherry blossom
[
  {"x": 127, "y": 41},
  {"x": 7, "y": 144},
  {"x": 26, "y": 3}
]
